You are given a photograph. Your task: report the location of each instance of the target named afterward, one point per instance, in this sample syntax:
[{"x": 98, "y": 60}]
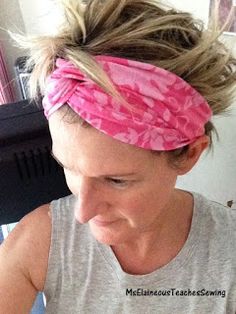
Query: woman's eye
[{"x": 117, "y": 181}]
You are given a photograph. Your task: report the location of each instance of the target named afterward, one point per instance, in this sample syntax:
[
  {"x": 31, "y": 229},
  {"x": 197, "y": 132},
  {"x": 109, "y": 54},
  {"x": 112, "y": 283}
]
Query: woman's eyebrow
[{"x": 104, "y": 175}]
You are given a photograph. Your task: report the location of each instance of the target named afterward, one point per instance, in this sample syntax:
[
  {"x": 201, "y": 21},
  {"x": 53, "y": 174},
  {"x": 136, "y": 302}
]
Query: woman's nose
[{"x": 89, "y": 202}]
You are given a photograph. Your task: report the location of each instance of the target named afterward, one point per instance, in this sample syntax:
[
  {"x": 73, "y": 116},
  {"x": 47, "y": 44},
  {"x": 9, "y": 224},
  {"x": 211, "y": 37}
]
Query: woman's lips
[{"x": 102, "y": 222}]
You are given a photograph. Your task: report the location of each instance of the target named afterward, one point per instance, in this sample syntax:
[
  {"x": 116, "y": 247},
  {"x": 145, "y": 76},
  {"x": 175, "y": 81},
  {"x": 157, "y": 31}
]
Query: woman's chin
[{"x": 106, "y": 234}]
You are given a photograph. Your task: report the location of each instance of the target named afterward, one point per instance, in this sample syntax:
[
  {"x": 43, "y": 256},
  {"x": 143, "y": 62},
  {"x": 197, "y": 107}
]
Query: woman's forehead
[
  {"x": 77, "y": 136},
  {"x": 72, "y": 141}
]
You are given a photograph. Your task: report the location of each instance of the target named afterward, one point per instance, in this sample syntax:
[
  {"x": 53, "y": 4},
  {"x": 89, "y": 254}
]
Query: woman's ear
[{"x": 193, "y": 154}]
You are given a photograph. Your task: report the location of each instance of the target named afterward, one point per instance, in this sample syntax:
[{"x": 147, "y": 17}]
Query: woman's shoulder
[
  {"x": 40, "y": 224},
  {"x": 218, "y": 220},
  {"x": 34, "y": 232},
  {"x": 219, "y": 212}
]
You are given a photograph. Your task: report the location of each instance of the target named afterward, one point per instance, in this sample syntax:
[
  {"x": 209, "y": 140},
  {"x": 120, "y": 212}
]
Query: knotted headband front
[{"x": 170, "y": 113}]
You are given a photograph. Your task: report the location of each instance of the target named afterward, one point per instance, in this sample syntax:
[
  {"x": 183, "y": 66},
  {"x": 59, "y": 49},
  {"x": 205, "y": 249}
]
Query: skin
[{"x": 132, "y": 190}]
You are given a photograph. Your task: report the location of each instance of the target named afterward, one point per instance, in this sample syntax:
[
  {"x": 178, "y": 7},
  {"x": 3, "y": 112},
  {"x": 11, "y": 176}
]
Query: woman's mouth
[{"x": 102, "y": 223}]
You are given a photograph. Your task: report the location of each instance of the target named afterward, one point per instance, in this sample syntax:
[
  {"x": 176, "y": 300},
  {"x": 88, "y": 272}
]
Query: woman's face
[{"x": 121, "y": 190}]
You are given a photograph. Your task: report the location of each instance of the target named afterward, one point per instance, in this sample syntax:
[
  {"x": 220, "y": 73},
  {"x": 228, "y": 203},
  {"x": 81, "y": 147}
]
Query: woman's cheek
[{"x": 72, "y": 182}]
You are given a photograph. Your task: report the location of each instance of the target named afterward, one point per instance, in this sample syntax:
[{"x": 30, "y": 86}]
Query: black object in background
[
  {"x": 23, "y": 76},
  {"x": 29, "y": 176}
]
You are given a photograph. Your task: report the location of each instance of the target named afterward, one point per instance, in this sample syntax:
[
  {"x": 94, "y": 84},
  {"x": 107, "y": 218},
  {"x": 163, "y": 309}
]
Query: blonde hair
[{"x": 142, "y": 30}]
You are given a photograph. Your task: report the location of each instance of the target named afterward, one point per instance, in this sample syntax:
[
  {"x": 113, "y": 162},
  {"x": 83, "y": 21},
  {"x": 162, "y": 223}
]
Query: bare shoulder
[{"x": 30, "y": 240}]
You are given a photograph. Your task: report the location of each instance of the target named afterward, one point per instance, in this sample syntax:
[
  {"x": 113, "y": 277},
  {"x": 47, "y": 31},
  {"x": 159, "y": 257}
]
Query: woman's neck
[{"x": 158, "y": 247}]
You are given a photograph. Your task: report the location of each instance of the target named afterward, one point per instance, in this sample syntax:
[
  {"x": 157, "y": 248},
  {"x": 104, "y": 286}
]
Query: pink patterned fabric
[{"x": 170, "y": 113}]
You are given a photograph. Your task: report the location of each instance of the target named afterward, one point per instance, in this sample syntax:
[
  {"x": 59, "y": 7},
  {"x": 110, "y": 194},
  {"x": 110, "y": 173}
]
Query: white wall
[
  {"x": 11, "y": 19},
  {"x": 215, "y": 174},
  {"x": 198, "y": 8},
  {"x": 24, "y": 16},
  {"x": 40, "y": 16}
]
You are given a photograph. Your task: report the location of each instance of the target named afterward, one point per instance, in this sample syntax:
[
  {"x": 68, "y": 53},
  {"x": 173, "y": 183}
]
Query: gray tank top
[{"x": 84, "y": 275}]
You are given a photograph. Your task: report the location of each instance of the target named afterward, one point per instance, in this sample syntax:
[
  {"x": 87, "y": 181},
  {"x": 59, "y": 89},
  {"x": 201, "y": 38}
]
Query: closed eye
[{"x": 117, "y": 181}]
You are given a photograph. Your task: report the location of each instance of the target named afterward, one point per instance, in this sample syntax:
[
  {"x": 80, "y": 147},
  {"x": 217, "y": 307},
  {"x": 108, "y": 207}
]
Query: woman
[{"x": 129, "y": 91}]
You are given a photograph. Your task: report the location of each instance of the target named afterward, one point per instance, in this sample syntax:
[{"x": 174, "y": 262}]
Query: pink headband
[{"x": 171, "y": 114}]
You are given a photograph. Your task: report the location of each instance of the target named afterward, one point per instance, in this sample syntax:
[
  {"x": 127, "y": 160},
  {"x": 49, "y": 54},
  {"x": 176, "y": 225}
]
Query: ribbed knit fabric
[{"x": 85, "y": 277}]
